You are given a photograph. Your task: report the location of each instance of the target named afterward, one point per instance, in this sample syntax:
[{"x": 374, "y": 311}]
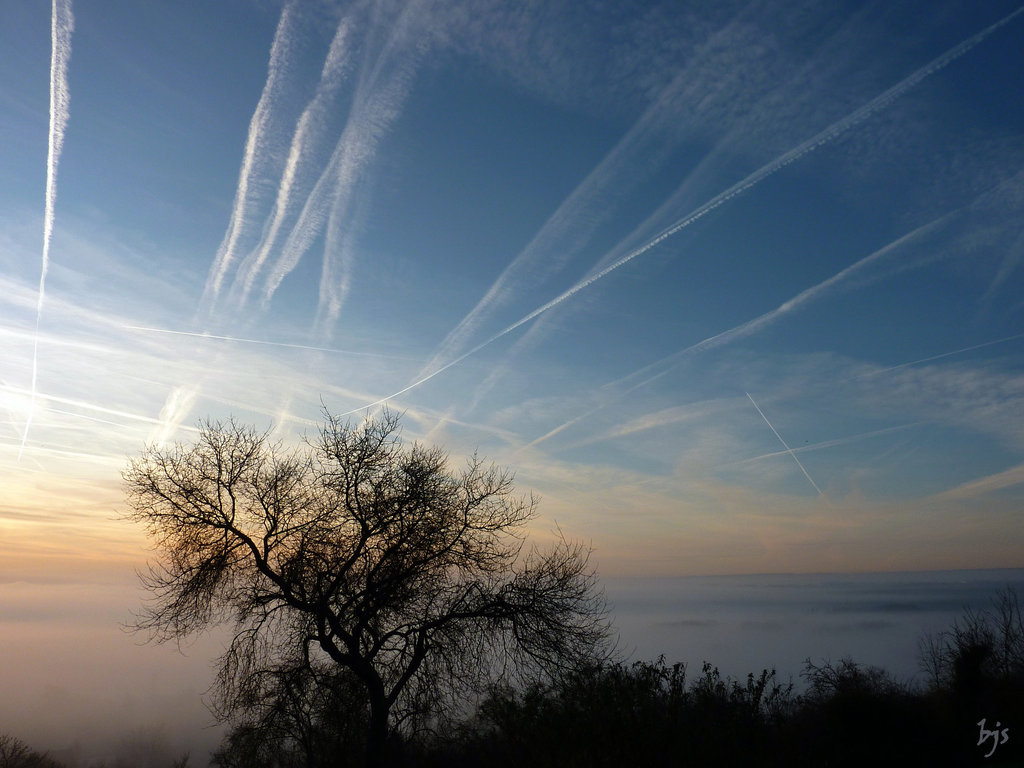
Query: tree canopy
[{"x": 356, "y": 554}]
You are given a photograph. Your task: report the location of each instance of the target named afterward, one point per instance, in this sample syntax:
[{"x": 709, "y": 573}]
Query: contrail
[
  {"x": 62, "y": 23},
  {"x": 758, "y": 323},
  {"x": 1005, "y": 479},
  {"x": 832, "y": 132},
  {"x": 240, "y": 340},
  {"x": 814, "y": 292},
  {"x": 333, "y": 194},
  {"x": 91, "y": 407},
  {"x": 808, "y": 295},
  {"x": 380, "y": 95},
  {"x": 788, "y": 449},
  {"x": 827, "y": 443},
  {"x": 556, "y": 241},
  {"x": 641, "y": 151},
  {"x": 945, "y": 354},
  {"x": 736, "y": 332},
  {"x": 255, "y": 146},
  {"x": 730, "y": 334},
  {"x": 332, "y": 76}
]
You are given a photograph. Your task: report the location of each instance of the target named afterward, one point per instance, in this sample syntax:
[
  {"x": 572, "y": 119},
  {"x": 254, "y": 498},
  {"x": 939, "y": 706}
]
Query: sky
[{"x": 734, "y": 288}]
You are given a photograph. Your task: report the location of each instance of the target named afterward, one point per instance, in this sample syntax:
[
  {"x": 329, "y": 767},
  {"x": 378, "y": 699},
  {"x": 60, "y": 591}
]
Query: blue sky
[{"x": 734, "y": 287}]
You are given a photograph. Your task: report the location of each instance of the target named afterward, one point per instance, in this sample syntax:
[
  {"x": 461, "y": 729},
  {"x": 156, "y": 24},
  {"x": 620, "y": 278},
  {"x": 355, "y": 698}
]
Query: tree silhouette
[
  {"x": 358, "y": 551},
  {"x": 14, "y": 753}
]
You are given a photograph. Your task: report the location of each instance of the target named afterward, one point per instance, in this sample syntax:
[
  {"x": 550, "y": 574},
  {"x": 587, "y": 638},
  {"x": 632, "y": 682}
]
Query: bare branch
[{"x": 360, "y": 554}]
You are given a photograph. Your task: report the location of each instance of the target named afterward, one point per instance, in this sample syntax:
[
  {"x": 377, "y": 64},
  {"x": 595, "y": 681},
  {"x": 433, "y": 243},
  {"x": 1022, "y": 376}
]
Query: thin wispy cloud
[
  {"x": 826, "y": 136},
  {"x": 652, "y": 372},
  {"x": 85, "y": 405},
  {"x": 900, "y": 398},
  {"x": 61, "y": 25},
  {"x": 177, "y": 408},
  {"x": 858, "y": 273},
  {"x": 567, "y": 232},
  {"x": 1008, "y": 478}
]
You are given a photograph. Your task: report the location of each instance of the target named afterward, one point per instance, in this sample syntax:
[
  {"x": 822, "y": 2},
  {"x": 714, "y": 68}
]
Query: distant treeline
[{"x": 969, "y": 710}]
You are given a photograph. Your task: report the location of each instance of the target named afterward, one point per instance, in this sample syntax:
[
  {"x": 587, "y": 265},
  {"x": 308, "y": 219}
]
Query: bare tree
[
  {"x": 14, "y": 753},
  {"x": 981, "y": 646},
  {"x": 361, "y": 551}
]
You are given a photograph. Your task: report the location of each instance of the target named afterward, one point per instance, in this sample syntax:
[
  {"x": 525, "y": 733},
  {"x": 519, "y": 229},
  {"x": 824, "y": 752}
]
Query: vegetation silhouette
[
  {"x": 14, "y": 753},
  {"x": 847, "y": 714},
  {"x": 355, "y": 570},
  {"x": 613, "y": 713}
]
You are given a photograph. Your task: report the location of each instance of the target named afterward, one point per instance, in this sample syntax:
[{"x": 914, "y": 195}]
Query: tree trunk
[{"x": 377, "y": 736}]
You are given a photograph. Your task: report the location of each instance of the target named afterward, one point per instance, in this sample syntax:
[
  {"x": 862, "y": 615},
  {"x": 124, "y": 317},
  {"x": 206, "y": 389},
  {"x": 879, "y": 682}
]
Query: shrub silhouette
[
  {"x": 618, "y": 714},
  {"x": 982, "y": 650},
  {"x": 848, "y": 714},
  {"x": 975, "y": 671},
  {"x": 14, "y": 753},
  {"x": 650, "y": 713}
]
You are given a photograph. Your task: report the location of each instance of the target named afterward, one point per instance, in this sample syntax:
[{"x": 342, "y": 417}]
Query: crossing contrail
[
  {"x": 62, "y": 22},
  {"x": 828, "y": 443},
  {"x": 786, "y": 446},
  {"x": 829, "y": 134}
]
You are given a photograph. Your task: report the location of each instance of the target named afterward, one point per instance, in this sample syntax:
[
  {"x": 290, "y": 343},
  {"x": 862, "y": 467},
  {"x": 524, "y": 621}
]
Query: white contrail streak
[
  {"x": 332, "y": 207},
  {"x": 255, "y": 147},
  {"x": 786, "y": 446},
  {"x": 559, "y": 238},
  {"x": 91, "y": 407},
  {"x": 62, "y": 23},
  {"x": 813, "y": 293},
  {"x": 729, "y": 335},
  {"x": 238, "y": 339},
  {"x": 177, "y": 405},
  {"x": 332, "y": 76},
  {"x": 832, "y": 132},
  {"x": 331, "y": 198},
  {"x": 806, "y": 296},
  {"x": 829, "y": 134},
  {"x": 827, "y": 443},
  {"x": 944, "y": 354}
]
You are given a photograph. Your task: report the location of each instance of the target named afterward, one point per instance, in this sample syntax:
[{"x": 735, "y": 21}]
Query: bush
[
  {"x": 975, "y": 672},
  {"x": 618, "y": 714},
  {"x": 14, "y": 753}
]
